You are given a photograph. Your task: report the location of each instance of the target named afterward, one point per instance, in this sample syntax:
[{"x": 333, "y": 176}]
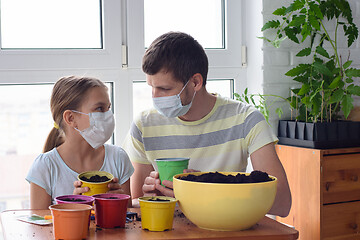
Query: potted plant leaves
[{"x": 323, "y": 101}]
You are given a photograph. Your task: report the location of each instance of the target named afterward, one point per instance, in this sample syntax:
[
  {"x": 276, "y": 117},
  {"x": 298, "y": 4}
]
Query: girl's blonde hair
[{"x": 68, "y": 94}]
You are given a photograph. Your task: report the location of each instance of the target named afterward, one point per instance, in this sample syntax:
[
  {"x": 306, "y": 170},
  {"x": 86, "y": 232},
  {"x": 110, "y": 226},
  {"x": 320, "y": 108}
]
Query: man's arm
[
  {"x": 141, "y": 172},
  {"x": 265, "y": 159}
]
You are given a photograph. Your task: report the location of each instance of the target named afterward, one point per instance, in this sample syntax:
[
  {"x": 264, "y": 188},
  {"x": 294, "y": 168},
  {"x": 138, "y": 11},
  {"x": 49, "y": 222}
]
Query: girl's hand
[
  {"x": 78, "y": 189},
  {"x": 115, "y": 187}
]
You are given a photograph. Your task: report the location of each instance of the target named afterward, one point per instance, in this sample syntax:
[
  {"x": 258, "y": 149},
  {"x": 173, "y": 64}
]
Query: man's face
[{"x": 164, "y": 84}]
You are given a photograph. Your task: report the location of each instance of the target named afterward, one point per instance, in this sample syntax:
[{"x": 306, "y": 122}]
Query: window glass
[
  {"x": 142, "y": 99},
  {"x": 50, "y": 24},
  {"x": 26, "y": 121},
  {"x": 202, "y": 19}
]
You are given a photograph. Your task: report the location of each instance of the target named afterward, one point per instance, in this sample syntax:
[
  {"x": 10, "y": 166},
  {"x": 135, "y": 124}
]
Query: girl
[{"x": 83, "y": 122}]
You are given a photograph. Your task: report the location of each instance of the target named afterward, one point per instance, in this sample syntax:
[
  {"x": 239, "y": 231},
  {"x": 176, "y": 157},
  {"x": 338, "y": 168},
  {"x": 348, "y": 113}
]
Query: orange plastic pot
[
  {"x": 110, "y": 210},
  {"x": 70, "y": 221}
]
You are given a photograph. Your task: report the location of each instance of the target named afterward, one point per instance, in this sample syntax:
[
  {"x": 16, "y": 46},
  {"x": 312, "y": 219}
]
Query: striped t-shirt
[{"x": 221, "y": 141}]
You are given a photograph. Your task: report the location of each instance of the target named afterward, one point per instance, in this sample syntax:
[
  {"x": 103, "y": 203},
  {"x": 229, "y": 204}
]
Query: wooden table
[{"x": 182, "y": 229}]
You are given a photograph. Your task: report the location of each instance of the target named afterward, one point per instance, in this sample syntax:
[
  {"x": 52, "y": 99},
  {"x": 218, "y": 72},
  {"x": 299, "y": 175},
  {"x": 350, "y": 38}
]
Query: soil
[
  {"x": 158, "y": 200},
  {"x": 216, "y": 177},
  {"x": 95, "y": 178},
  {"x": 73, "y": 200}
]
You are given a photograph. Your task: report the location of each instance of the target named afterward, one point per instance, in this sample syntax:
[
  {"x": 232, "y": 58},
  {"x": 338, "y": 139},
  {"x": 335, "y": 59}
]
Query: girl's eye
[{"x": 102, "y": 109}]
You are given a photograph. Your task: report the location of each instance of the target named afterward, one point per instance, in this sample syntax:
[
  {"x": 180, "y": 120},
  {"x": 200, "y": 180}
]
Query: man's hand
[
  {"x": 149, "y": 187},
  {"x": 167, "y": 190},
  {"x": 152, "y": 186}
]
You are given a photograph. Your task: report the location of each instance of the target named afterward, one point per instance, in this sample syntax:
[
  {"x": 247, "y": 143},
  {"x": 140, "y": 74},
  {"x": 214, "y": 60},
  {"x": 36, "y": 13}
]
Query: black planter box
[{"x": 338, "y": 134}]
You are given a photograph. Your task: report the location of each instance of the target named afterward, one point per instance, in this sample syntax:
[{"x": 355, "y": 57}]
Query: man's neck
[{"x": 202, "y": 105}]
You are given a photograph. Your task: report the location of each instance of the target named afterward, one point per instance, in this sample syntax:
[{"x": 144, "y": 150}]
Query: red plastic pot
[{"x": 110, "y": 210}]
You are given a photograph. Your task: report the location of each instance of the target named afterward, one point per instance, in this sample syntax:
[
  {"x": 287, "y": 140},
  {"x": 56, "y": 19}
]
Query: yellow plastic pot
[
  {"x": 95, "y": 187},
  {"x": 224, "y": 206},
  {"x": 157, "y": 215}
]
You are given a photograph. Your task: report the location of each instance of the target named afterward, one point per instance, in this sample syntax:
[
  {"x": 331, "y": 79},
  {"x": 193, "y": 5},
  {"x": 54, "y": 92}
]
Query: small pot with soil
[
  {"x": 83, "y": 199},
  {"x": 70, "y": 221},
  {"x": 157, "y": 213},
  {"x": 97, "y": 181},
  {"x": 110, "y": 210}
]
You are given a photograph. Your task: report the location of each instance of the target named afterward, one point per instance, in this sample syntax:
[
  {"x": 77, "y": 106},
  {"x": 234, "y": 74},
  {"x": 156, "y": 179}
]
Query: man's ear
[
  {"x": 68, "y": 117},
  {"x": 198, "y": 81}
]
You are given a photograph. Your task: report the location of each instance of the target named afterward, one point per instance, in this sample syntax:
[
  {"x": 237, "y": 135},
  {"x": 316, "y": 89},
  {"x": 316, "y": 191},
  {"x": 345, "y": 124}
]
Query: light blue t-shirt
[{"x": 50, "y": 172}]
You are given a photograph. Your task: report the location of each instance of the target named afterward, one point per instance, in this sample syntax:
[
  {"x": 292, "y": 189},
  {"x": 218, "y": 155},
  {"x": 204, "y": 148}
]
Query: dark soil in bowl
[
  {"x": 158, "y": 200},
  {"x": 216, "y": 177},
  {"x": 95, "y": 178},
  {"x": 73, "y": 200}
]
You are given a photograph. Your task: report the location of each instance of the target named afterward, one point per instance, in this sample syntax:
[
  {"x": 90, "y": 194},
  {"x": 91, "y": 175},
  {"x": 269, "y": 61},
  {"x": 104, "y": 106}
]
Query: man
[{"x": 216, "y": 133}]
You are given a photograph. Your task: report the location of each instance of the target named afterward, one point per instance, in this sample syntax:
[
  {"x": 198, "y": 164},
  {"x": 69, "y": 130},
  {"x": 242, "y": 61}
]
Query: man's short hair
[{"x": 178, "y": 53}]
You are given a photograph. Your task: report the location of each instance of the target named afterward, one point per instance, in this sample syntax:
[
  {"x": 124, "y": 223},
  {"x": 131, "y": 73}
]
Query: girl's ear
[
  {"x": 198, "y": 81},
  {"x": 68, "y": 117}
]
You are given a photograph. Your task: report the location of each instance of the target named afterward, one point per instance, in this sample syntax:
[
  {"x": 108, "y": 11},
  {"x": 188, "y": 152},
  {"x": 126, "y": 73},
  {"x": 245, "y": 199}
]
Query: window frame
[
  {"x": 217, "y": 57},
  {"x": 55, "y": 59}
]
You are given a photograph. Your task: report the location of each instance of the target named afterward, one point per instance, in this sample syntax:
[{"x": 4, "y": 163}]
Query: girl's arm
[{"x": 39, "y": 198}]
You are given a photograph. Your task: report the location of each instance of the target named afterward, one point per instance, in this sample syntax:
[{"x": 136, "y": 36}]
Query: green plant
[
  {"x": 262, "y": 102},
  {"x": 327, "y": 83}
]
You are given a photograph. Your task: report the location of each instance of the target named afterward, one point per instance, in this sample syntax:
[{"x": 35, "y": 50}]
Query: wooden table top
[{"x": 182, "y": 229}]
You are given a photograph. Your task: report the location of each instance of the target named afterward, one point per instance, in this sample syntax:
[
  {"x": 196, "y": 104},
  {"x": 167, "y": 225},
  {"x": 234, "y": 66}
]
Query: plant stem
[{"x": 331, "y": 41}]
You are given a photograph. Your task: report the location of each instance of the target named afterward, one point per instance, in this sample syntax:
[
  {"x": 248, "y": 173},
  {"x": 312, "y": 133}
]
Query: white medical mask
[
  {"x": 101, "y": 128},
  {"x": 171, "y": 106}
]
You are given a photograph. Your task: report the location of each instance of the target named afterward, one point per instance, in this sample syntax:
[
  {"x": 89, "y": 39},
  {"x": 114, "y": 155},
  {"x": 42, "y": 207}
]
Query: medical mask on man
[
  {"x": 101, "y": 128},
  {"x": 171, "y": 106}
]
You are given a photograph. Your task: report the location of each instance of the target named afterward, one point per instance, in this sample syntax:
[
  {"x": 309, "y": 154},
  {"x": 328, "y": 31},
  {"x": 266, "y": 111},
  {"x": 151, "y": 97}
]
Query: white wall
[{"x": 278, "y": 61}]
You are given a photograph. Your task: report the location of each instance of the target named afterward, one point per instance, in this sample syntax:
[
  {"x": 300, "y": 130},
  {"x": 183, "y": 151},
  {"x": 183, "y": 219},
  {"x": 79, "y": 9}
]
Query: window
[
  {"x": 204, "y": 20},
  {"x": 222, "y": 27},
  {"x": 25, "y": 124},
  {"x": 64, "y": 24},
  {"x": 89, "y": 42}
]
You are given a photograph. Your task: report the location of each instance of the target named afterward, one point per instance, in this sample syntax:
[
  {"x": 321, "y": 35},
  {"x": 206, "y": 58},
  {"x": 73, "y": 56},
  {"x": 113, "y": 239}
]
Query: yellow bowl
[
  {"x": 95, "y": 187},
  {"x": 224, "y": 206}
]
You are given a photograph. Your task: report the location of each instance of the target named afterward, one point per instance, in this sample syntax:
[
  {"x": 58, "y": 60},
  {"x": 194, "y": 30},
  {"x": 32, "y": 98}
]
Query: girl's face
[{"x": 96, "y": 100}]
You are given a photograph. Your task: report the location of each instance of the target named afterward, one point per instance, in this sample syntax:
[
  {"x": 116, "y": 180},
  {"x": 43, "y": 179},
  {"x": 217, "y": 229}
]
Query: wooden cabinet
[{"x": 325, "y": 188}]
